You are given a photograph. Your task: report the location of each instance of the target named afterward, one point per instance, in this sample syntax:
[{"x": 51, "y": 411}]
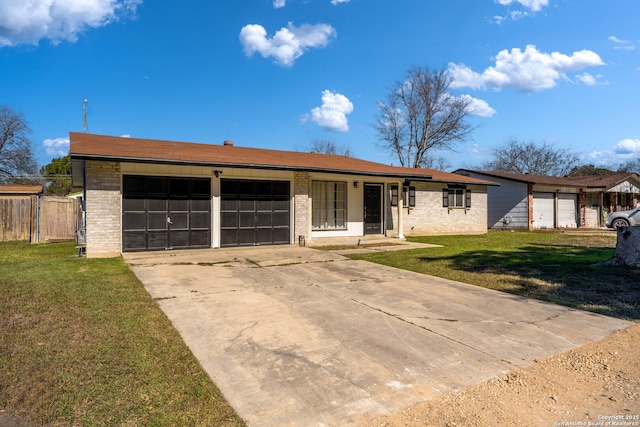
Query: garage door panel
[
  {"x": 247, "y": 189},
  {"x": 157, "y": 187},
  {"x": 201, "y": 205},
  {"x": 199, "y": 220},
  {"x": 157, "y": 205},
  {"x": 229, "y": 237},
  {"x": 179, "y": 205},
  {"x": 247, "y": 205},
  {"x": 135, "y": 221},
  {"x": 260, "y": 207},
  {"x": 281, "y": 205},
  {"x": 179, "y": 221},
  {"x": 246, "y": 236},
  {"x": 179, "y": 239},
  {"x": 133, "y": 205},
  {"x": 157, "y": 221},
  {"x": 157, "y": 240},
  {"x": 281, "y": 219},
  {"x": 543, "y": 211},
  {"x": 135, "y": 241},
  {"x": 247, "y": 219},
  {"x": 280, "y": 235},
  {"x": 264, "y": 205},
  {"x": 200, "y": 238},
  {"x": 179, "y": 188},
  {"x": 229, "y": 220},
  {"x": 264, "y": 219},
  {"x": 166, "y": 212}
]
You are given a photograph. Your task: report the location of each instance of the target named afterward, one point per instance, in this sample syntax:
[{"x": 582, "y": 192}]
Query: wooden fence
[
  {"x": 17, "y": 218},
  {"x": 38, "y": 219}
]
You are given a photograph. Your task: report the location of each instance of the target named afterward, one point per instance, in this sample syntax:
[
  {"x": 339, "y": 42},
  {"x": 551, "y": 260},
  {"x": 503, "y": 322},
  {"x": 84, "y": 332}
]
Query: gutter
[{"x": 412, "y": 177}]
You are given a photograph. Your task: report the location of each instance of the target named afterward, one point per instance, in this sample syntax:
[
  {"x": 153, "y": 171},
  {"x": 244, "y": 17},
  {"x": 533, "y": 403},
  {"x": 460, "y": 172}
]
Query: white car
[{"x": 623, "y": 218}]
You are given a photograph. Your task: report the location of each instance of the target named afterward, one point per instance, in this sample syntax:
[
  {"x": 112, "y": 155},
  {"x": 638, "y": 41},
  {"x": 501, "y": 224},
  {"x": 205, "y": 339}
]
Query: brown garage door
[
  {"x": 161, "y": 213},
  {"x": 254, "y": 212}
]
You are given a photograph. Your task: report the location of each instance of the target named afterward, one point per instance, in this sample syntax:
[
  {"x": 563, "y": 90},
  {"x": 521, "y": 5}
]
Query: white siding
[{"x": 506, "y": 203}]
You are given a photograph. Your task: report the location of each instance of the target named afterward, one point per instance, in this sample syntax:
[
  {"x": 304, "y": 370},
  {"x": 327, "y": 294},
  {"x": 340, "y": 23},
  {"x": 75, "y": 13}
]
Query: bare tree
[
  {"x": 16, "y": 154},
  {"x": 325, "y": 146},
  {"x": 528, "y": 157},
  {"x": 421, "y": 115}
]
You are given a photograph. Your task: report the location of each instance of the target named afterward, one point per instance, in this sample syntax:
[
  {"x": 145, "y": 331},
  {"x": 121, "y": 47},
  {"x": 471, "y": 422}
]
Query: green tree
[{"x": 57, "y": 176}]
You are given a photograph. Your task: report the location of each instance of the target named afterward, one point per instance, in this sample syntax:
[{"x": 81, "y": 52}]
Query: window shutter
[
  {"x": 412, "y": 196},
  {"x": 468, "y": 199},
  {"x": 445, "y": 198},
  {"x": 394, "y": 195}
]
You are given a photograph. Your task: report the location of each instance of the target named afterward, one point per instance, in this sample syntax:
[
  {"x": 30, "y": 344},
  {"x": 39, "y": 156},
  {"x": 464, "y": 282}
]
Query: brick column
[
  {"x": 103, "y": 209},
  {"x": 301, "y": 206}
]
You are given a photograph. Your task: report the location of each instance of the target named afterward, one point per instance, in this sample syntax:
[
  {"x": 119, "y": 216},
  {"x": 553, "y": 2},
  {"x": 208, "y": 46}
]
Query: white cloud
[
  {"x": 281, "y": 3},
  {"x": 528, "y": 71},
  {"x": 478, "y": 107},
  {"x": 28, "y": 22},
  {"x": 628, "y": 147},
  {"x": 533, "y": 5},
  {"x": 332, "y": 114},
  {"x": 621, "y": 44},
  {"x": 591, "y": 80},
  {"x": 288, "y": 44},
  {"x": 626, "y": 150},
  {"x": 56, "y": 147}
]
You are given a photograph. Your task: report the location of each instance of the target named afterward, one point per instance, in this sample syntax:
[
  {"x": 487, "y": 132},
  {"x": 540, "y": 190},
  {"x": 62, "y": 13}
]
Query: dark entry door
[
  {"x": 254, "y": 212},
  {"x": 161, "y": 213},
  {"x": 373, "y": 209}
]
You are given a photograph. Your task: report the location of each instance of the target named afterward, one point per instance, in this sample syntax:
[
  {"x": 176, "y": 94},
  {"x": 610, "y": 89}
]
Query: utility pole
[{"x": 84, "y": 115}]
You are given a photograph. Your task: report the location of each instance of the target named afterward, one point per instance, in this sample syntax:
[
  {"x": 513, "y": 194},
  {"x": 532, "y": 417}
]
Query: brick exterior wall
[
  {"x": 428, "y": 217},
  {"x": 103, "y": 209},
  {"x": 301, "y": 206}
]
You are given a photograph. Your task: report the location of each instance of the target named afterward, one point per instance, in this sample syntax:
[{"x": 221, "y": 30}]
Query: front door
[{"x": 373, "y": 209}]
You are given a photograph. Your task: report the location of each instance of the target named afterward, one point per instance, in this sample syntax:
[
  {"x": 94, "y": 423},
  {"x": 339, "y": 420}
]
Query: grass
[
  {"x": 84, "y": 344},
  {"x": 555, "y": 266}
]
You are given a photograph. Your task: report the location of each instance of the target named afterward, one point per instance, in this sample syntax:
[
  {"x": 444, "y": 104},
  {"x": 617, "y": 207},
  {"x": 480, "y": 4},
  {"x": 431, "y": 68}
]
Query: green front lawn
[
  {"x": 555, "y": 266},
  {"x": 83, "y": 343}
]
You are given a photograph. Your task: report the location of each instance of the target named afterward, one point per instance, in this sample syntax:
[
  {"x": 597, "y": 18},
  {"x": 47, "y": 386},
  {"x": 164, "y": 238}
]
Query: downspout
[
  {"x": 530, "y": 206},
  {"x": 400, "y": 206}
]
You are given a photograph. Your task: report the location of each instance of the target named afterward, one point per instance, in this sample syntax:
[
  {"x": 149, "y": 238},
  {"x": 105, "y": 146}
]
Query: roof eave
[{"x": 414, "y": 177}]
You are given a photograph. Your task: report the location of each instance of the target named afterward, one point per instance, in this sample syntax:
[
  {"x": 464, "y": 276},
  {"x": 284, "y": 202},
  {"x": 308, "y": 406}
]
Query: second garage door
[{"x": 254, "y": 212}]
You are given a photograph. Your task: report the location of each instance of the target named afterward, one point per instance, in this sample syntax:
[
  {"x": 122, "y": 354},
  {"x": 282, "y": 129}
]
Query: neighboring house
[
  {"x": 536, "y": 202},
  {"x": 145, "y": 194}
]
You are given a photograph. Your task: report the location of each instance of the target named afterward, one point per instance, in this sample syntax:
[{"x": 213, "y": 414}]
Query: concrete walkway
[{"x": 301, "y": 337}]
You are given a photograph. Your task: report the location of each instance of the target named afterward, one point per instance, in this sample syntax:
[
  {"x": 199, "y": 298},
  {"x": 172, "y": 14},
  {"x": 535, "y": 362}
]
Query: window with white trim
[
  {"x": 456, "y": 198},
  {"x": 329, "y": 205}
]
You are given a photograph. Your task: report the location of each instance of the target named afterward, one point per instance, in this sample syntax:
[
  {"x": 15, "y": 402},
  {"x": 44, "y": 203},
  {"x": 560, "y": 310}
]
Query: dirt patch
[{"x": 596, "y": 383}]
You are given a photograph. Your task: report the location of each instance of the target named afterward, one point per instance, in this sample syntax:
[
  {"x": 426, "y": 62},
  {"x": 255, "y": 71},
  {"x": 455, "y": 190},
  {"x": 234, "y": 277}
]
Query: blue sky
[{"x": 281, "y": 73}]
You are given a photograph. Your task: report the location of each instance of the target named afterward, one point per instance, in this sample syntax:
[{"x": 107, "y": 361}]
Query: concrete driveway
[{"x": 301, "y": 337}]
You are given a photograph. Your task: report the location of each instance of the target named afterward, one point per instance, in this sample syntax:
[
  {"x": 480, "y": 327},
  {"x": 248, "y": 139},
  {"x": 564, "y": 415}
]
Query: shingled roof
[
  {"x": 603, "y": 181},
  {"x": 86, "y": 146}
]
